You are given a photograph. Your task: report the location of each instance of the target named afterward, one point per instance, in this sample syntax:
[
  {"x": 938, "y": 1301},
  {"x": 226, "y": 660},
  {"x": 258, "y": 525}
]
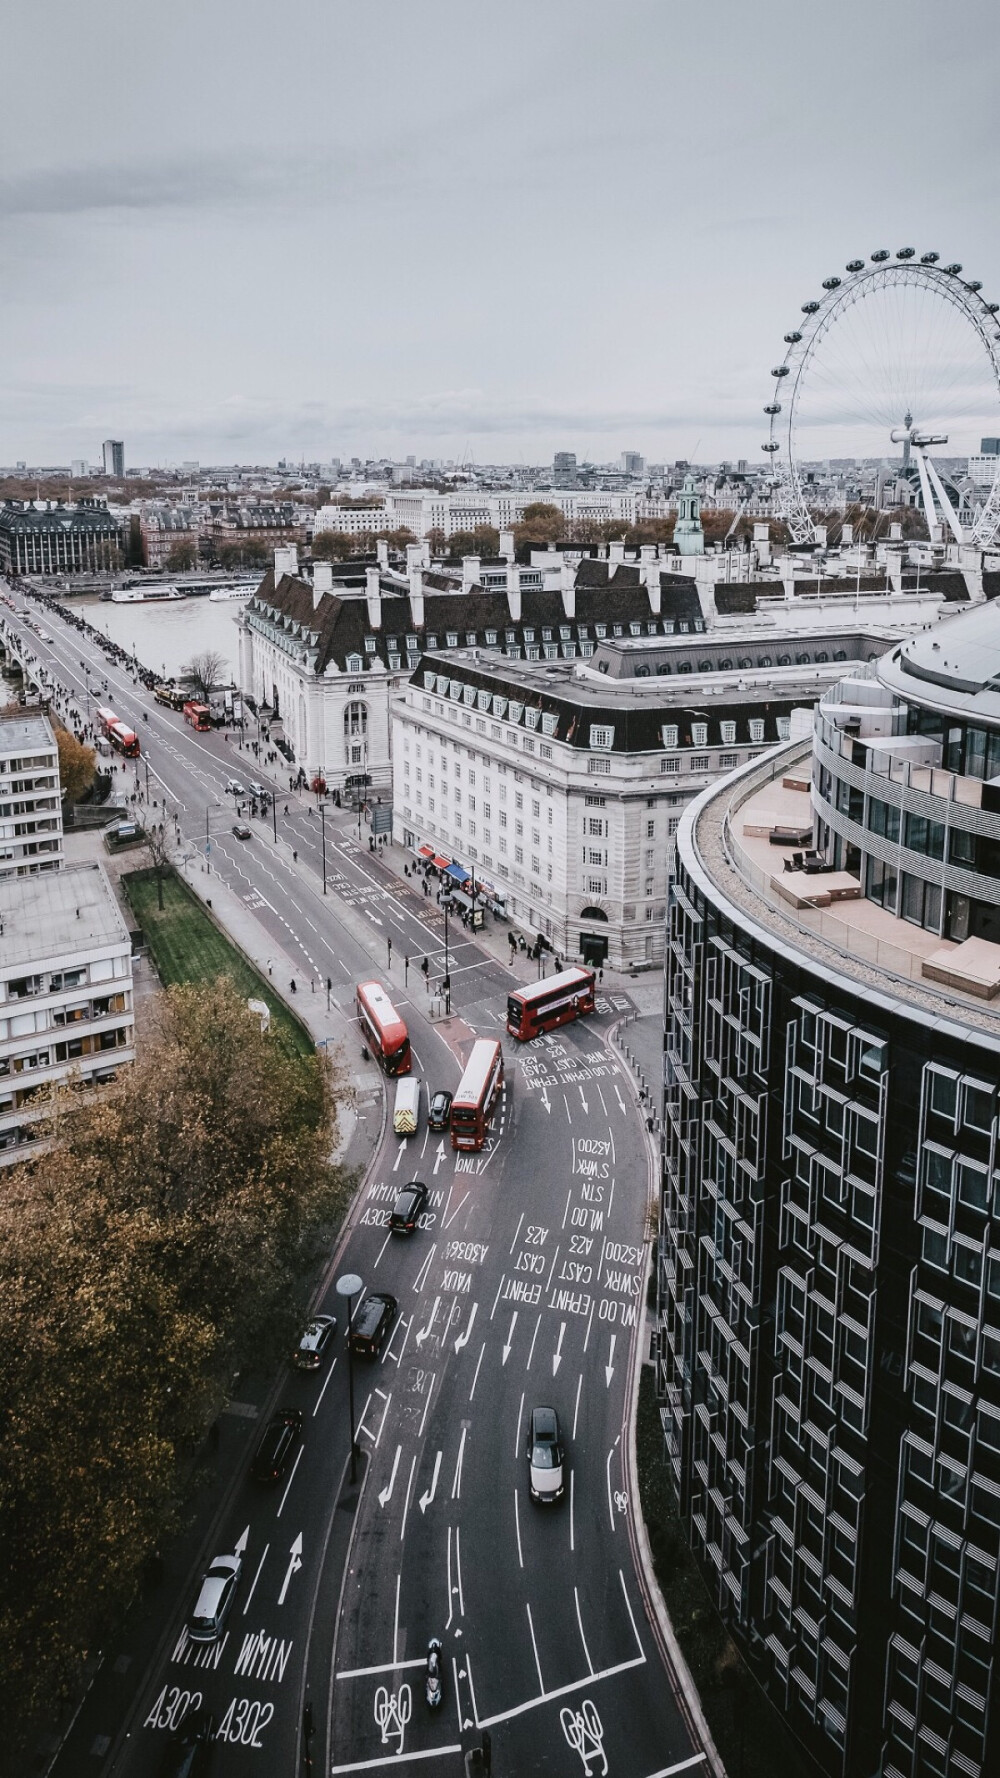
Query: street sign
[{"x": 381, "y": 818}]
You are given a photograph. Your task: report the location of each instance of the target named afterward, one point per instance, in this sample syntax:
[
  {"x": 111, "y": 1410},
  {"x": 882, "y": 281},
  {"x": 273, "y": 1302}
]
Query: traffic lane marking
[
  {"x": 398, "y": 1759},
  {"x": 562, "y": 1691}
]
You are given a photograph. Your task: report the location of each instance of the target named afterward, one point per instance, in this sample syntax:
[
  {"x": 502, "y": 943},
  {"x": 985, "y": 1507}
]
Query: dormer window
[
  {"x": 529, "y": 635},
  {"x": 452, "y": 639},
  {"x": 546, "y": 635},
  {"x": 369, "y": 645},
  {"x": 635, "y": 629},
  {"x": 491, "y": 638},
  {"x": 600, "y": 631},
  {"x": 411, "y": 644},
  {"x": 355, "y": 663},
  {"x": 564, "y": 632},
  {"x": 470, "y": 638},
  {"x": 510, "y": 637},
  {"x": 616, "y": 630},
  {"x": 432, "y": 641}
]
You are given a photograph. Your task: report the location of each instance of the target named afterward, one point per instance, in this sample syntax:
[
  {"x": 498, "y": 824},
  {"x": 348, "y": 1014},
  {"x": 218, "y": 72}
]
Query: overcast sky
[{"x": 241, "y": 231}]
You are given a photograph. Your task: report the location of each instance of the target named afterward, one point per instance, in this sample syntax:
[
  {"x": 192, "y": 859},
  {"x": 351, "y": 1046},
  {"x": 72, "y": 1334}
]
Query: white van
[{"x": 406, "y": 1116}]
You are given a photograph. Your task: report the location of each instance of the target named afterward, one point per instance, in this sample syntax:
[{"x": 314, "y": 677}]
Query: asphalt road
[{"x": 522, "y": 1286}]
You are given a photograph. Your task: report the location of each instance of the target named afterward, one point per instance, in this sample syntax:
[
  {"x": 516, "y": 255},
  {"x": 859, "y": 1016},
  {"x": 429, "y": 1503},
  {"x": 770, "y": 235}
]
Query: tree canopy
[
  {"x": 77, "y": 765},
  {"x": 162, "y": 1239},
  {"x": 204, "y": 671}
]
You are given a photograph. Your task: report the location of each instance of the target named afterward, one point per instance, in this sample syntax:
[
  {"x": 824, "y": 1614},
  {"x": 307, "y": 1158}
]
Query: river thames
[{"x": 164, "y": 634}]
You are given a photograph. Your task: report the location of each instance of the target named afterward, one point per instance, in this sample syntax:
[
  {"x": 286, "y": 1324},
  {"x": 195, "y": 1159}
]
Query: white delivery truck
[{"x": 406, "y": 1116}]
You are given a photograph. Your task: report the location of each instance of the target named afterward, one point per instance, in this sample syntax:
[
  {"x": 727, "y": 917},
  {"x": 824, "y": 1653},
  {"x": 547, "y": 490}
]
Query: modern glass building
[{"x": 829, "y": 1255}]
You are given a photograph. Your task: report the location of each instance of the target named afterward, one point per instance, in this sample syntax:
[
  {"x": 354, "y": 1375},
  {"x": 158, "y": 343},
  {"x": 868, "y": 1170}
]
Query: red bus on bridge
[
  {"x": 546, "y": 1004},
  {"x": 478, "y": 1091},
  {"x": 383, "y": 1029},
  {"x": 118, "y": 733}
]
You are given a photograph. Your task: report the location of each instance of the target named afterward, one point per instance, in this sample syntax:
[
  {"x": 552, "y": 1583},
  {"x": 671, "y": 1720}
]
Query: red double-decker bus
[
  {"x": 547, "y": 1004},
  {"x": 383, "y": 1028},
  {"x": 119, "y": 734},
  {"x": 478, "y": 1091}
]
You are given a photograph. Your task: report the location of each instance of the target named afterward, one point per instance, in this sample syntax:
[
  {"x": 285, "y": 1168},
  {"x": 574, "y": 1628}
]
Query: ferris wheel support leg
[
  {"x": 946, "y": 506},
  {"x": 930, "y": 507}
]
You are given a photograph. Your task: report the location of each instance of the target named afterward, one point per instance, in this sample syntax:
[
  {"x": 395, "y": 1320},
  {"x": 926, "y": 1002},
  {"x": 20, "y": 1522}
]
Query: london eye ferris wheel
[{"x": 898, "y": 351}]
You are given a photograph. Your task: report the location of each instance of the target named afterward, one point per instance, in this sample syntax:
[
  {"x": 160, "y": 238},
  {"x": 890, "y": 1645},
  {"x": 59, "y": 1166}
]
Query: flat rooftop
[
  {"x": 583, "y": 683},
  {"x": 26, "y": 734},
  {"x": 833, "y": 923},
  {"x": 55, "y": 913}
]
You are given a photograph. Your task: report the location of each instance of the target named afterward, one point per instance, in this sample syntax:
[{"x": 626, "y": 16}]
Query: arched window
[
  {"x": 594, "y": 914},
  {"x": 784, "y": 660},
  {"x": 355, "y": 732}
]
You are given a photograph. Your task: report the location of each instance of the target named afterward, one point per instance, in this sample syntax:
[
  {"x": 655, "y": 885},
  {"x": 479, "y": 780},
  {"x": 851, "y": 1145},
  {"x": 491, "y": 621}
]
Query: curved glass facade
[{"x": 829, "y": 1256}]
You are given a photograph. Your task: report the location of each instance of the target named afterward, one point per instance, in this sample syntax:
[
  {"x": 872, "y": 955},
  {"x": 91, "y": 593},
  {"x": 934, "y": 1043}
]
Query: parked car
[
  {"x": 372, "y": 1324},
  {"x": 189, "y": 1750},
  {"x": 409, "y": 1203},
  {"x": 545, "y": 1457},
  {"x": 215, "y": 1596},
  {"x": 315, "y": 1342},
  {"x": 283, "y": 1434},
  {"x": 256, "y": 789},
  {"x": 242, "y": 831},
  {"x": 439, "y": 1115},
  {"x": 234, "y": 787}
]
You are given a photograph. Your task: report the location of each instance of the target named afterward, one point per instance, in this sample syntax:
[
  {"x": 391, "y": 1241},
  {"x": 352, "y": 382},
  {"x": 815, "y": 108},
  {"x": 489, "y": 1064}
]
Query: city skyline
[{"x": 396, "y": 243}]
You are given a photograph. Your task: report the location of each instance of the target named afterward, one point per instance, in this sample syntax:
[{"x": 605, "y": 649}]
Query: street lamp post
[
  {"x": 349, "y": 1285},
  {"x": 322, "y": 818},
  {"x": 447, "y": 966}
]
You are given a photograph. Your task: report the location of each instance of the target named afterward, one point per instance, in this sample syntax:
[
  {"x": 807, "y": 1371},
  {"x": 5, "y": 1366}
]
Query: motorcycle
[{"x": 434, "y": 1675}]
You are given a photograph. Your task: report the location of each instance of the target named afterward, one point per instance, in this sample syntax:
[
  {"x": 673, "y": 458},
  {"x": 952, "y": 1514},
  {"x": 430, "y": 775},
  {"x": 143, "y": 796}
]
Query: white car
[
  {"x": 545, "y": 1457},
  {"x": 218, "y": 1589},
  {"x": 234, "y": 787}
]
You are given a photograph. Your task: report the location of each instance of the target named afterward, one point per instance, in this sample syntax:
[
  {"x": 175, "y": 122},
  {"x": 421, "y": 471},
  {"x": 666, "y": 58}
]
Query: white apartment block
[
  {"x": 560, "y": 786},
  {"x": 421, "y": 511},
  {"x": 65, "y": 994},
  {"x": 983, "y": 468},
  {"x": 31, "y": 826}
]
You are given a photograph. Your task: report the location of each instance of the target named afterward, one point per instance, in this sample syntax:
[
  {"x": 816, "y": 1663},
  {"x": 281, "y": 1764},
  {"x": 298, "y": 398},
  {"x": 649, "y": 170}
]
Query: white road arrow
[
  {"x": 456, "y": 1484},
  {"x": 557, "y": 1354},
  {"x": 621, "y": 1102},
  {"x": 293, "y": 1567},
  {"x": 425, "y": 1499},
  {"x": 371, "y": 916},
  {"x": 402, "y": 1151},
  {"x": 609, "y": 1368},
  {"x": 545, "y": 1100},
  {"x": 243, "y": 1541},
  {"x": 425, "y": 1331},
  {"x": 463, "y": 1338},
  {"x": 510, "y": 1337},
  {"x": 439, "y": 1157},
  {"x": 583, "y": 1101},
  {"x": 386, "y": 1494}
]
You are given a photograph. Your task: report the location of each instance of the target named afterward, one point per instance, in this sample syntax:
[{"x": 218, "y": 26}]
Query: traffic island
[{"x": 747, "y": 1729}]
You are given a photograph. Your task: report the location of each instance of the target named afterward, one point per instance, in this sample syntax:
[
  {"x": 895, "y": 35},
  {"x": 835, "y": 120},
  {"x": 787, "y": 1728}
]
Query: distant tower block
[{"x": 689, "y": 537}]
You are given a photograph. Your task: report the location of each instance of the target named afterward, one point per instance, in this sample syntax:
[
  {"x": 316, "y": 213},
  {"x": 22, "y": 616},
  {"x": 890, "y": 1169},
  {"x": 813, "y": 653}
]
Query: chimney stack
[
  {"x": 373, "y": 597},
  {"x": 322, "y": 582},
  {"x": 470, "y": 572},
  {"x": 513, "y": 593},
  {"x": 651, "y": 575},
  {"x": 416, "y": 596},
  {"x": 286, "y": 560},
  {"x": 616, "y": 552},
  {"x": 382, "y": 552},
  {"x": 507, "y": 546},
  {"x": 567, "y": 586}
]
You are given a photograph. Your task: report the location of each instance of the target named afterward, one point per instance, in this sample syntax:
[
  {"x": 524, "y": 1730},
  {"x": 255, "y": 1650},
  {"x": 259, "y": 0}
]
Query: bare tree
[
  {"x": 204, "y": 671},
  {"x": 158, "y": 848}
]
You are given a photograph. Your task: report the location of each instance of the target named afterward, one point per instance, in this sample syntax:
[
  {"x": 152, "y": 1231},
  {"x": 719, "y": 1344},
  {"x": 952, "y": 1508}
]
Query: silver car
[
  {"x": 545, "y": 1457},
  {"x": 218, "y": 1589}
]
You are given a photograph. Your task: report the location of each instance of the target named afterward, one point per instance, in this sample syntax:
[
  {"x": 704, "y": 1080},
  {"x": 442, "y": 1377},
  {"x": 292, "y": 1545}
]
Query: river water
[{"x": 164, "y": 634}]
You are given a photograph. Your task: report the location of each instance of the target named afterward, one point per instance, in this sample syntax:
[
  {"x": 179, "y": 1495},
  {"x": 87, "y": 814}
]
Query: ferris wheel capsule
[
  {"x": 855, "y": 265},
  {"x": 905, "y": 253},
  {"x": 773, "y": 407},
  {"x": 929, "y": 258},
  {"x": 954, "y": 269},
  {"x": 831, "y": 283},
  {"x": 991, "y": 308},
  {"x": 772, "y": 445},
  {"x": 974, "y": 284},
  {"x": 793, "y": 338},
  {"x": 780, "y": 370},
  {"x": 883, "y": 253},
  {"x": 809, "y": 308}
]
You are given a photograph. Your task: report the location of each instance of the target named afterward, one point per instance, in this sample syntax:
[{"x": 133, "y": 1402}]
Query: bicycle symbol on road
[
  {"x": 584, "y": 1732},
  {"x": 392, "y": 1712},
  {"x": 621, "y": 1500}
]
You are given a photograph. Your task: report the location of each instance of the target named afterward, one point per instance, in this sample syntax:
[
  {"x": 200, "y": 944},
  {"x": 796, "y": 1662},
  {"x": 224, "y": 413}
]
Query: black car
[
  {"x": 315, "y": 1342},
  {"x": 279, "y": 1441},
  {"x": 242, "y": 831},
  {"x": 439, "y": 1115},
  {"x": 372, "y": 1324},
  {"x": 411, "y": 1200},
  {"x": 189, "y": 1750}
]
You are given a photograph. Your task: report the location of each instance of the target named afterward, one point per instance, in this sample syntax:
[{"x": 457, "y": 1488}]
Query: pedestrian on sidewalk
[{"x": 292, "y": 984}]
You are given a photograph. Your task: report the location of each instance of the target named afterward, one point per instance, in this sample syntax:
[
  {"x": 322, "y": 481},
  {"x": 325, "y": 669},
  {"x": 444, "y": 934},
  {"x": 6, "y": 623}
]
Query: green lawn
[{"x": 188, "y": 946}]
